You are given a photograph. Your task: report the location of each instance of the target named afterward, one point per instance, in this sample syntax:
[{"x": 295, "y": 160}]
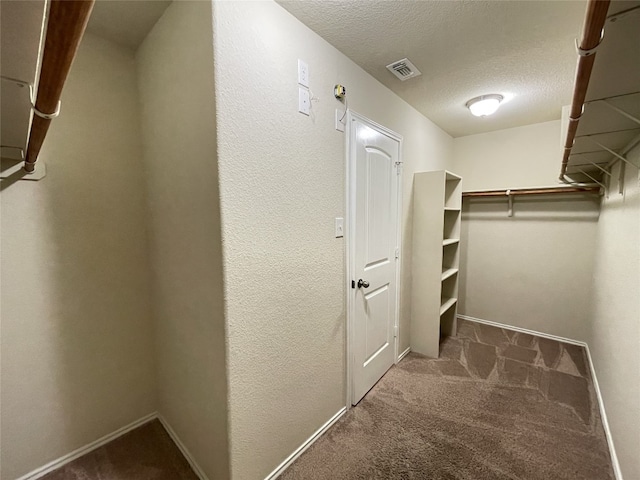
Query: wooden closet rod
[
  {"x": 531, "y": 191},
  {"x": 592, "y": 34},
  {"x": 65, "y": 28}
]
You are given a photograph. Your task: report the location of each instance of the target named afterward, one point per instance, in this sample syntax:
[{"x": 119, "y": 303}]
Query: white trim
[
  {"x": 185, "y": 452},
  {"x": 403, "y": 354},
  {"x": 348, "y": 267},
  {"x": 524, "y": 330},
  {"x": 605, "y": 422},
  {"x": 307, "y": 443},
  {"x": 399, "y": 244},
  {"x": 69, "y": 457},
  {"x": 596, "y": 386},
  {"x": 350, "y": 248}
]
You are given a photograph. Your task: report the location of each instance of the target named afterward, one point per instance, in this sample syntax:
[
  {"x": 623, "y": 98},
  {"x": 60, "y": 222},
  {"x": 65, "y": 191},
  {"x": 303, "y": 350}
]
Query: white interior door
[{"x": 374, "y": 174}]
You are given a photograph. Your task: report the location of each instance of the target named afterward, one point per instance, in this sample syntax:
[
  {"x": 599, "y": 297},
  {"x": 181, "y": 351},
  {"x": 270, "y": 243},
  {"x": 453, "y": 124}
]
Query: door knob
[{"x": 363, "y": 283}]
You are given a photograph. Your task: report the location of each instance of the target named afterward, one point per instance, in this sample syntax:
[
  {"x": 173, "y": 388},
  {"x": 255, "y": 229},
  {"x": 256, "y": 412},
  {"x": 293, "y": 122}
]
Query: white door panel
[{"x": 373, "y": 166}]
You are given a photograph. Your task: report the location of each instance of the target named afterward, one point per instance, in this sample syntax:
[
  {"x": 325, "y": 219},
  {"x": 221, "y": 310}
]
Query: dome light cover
[{"x": 485, "y": 105}]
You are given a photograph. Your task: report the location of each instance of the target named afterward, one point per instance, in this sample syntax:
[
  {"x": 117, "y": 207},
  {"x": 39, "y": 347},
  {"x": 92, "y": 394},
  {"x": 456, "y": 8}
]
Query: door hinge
[
  {"x": 395, "y": 331},
  {"x": 397, "y": 253}
]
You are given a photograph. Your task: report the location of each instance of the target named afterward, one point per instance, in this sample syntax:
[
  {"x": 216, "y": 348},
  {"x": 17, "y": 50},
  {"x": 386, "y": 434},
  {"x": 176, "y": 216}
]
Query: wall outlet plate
[
  {"x": 304, "y": 102},
  {"x": 303, "y": 73}
]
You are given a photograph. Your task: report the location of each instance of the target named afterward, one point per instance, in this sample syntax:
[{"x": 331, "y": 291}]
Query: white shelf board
[
  {"x": 446, "y": 305},
  {"x": 451, "y": 209},
  {"x": 452, "y": 176},
  {"x": 449, "y": 272},
  {"x": 450, "y": 241}
]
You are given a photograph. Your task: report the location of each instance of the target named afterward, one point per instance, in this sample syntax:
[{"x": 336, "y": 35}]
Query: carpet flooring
[
  {"x": 146, "y": 453},
  {"x": 496, "y": 405}
]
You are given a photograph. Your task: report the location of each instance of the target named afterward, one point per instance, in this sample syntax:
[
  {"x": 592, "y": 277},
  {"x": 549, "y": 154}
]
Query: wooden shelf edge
[
  {"x": 450, "y": 272},
  {"x": 447, "y": 305}
]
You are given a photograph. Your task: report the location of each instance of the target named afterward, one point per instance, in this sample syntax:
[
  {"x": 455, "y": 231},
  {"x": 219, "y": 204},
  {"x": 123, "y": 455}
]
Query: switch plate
[
  {"x": 303, "y": 73},
  {"x": 339, "y": 124},
  {"x": 304, "y": 103},
  {"x": 339, "y": 227}
]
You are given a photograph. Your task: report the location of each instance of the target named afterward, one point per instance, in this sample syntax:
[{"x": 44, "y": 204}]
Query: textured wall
[
  {"x": 282, "y": 178},
  {"x": 615, "y": 328},
  {"x": 76, "y": 349},
  {"x": 176, "y": 82},
  {"x": 532, "y": 270}
]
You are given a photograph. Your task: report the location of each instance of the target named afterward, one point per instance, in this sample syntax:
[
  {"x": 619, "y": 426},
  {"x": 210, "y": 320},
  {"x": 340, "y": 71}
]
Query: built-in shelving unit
[{"x": 437, "y": 203}]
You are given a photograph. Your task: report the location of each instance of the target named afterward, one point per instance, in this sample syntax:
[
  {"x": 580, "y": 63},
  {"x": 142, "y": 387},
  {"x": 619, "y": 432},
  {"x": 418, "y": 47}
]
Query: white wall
[
  {"x": 176, "y": 85},
  {"x": 614, "y": 337},
  {"x": 77, "y": 357},
  {"x": 532, "y": 270},
  {"x": 282, "y": 183}
]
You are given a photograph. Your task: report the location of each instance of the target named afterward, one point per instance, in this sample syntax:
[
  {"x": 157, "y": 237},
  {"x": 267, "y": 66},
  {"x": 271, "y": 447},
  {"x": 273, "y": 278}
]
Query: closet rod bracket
[{"x": 585, "y": 52}]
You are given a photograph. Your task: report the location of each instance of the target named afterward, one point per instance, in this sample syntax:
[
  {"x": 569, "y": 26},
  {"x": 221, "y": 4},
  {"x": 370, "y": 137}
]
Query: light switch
[
  {"x": 339, "y": 227},
  {"x": 304, "y": 103},
  {"x": 303, "y": 73}
]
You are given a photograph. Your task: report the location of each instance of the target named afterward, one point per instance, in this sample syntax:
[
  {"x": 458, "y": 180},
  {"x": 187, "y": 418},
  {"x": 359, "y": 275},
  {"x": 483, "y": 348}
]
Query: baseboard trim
[
  {"x": 300, "y": 450},
  {"x": 603, "y": 413},
  {"x": 194, "y": 465},
  {"x": 69, "y": 457},
  {"x": 605, "y": 423},
  {"x": 523, "y": 330},
  {"x": 404, "y": 354}
]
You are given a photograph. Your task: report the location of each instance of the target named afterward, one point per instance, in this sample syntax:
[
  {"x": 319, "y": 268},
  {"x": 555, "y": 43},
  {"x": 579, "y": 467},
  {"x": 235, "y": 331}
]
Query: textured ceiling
[
  {"x": 126, "y": 22},
  {"x": 523, "y": 49}
]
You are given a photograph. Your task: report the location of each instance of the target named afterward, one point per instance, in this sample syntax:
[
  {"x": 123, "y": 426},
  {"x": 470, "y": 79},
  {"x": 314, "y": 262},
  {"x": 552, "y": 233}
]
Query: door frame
[{"x": 350, "y": 243}]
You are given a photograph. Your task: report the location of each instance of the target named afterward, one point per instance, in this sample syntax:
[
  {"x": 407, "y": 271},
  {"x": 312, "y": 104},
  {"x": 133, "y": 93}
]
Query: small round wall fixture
[{"x": 485, "y": 105}]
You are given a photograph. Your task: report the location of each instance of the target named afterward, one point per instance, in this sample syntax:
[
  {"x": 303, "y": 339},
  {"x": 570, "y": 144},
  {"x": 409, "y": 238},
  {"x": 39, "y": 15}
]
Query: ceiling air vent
[{"x": 404, "y": 69}]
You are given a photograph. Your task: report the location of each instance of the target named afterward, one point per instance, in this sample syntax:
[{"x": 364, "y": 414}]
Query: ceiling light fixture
[{"x": 485, "y": 105}]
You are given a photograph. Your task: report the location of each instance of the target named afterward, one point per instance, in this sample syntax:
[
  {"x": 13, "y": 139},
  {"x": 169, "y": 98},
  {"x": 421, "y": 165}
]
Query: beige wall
[
  {"x": 515, "y": 157},
  {"x": 282, "y": 178},
  {"x": 77, "y": 357},
  {"x": 532, "y": 270},
  {"x": 614, "y": 337},
  {"x": 176, "y": 82}
]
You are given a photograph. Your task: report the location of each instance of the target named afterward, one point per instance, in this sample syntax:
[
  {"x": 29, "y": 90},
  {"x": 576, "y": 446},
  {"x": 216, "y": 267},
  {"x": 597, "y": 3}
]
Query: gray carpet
[
  {"x": 496, "y": 405},
  {"x": 146, "y": 453}
]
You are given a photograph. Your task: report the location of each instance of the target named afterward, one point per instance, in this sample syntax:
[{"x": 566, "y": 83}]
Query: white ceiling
[
  {"x": 126, "y": 22},
  {"x": 20, "y": 29},
  {"x": 463, "y": 49}
]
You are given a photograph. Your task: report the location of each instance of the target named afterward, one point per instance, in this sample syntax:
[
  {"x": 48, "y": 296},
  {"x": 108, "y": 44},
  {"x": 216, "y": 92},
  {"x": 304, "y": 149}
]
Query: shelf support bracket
[
  {"x": 510, "y": 200},
  {"x": 621, "y": 178},
  {"x": 612, "y": 152},
  {"x": 621, "y": 112},
  {"x": 587, "y": 175},
  {"x": 604, "y": 170}
]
